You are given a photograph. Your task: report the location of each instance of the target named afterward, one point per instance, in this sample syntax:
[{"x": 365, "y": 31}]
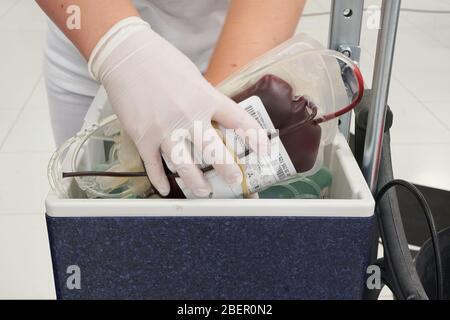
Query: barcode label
[
  {"x": 283, "y": 171},
  {"x": 280, "y": 173},
  {"x": 256, "y": 115},
  {"x": 260, "y": 172},
  {"x": 274, "y": 169}
]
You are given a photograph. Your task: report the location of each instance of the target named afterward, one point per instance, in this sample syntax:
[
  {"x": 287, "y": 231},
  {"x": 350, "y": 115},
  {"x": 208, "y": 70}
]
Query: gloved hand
[{"x": 155, "y": 90}]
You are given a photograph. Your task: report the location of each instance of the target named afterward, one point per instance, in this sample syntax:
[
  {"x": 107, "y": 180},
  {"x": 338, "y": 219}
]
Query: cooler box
[{"x": 217, "y": 249}]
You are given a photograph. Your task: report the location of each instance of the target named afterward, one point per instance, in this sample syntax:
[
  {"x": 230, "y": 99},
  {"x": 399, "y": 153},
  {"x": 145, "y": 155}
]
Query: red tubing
[{"x": 351, "y": 106}]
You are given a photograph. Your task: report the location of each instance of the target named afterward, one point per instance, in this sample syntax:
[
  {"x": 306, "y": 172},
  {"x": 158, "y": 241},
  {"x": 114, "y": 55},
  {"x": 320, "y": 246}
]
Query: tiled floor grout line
[
  {"x": 445, "y": 101},
  {"x": 8, "y": 132},
  {"x": 432, "y": 37},
  {"x": 21, "y": 110},
  {"x": 447, "y": 126},
  {"x": 416, "y": 98},
  {"x": 7, "y": 215},
  {"x": 9, "y": 9},
  {"x": 434, "y": 115}
]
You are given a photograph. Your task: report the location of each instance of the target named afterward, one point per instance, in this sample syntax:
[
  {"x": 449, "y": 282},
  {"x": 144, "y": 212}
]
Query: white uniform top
[{"x": 193, "y": 26}]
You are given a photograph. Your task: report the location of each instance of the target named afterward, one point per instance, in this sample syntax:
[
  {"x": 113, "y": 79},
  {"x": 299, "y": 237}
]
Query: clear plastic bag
[
  {"x": 328, "y": 81},
  {"x": 313, "y": 72},
  {"x": 103, "y": 150}
]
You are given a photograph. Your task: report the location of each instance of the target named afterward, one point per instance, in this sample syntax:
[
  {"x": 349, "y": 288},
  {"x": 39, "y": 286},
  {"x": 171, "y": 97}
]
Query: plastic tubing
[{"x": 318, "y": 120}]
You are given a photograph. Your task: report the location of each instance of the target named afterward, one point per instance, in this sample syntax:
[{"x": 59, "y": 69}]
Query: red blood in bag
[{"x": 286, "y": 110}]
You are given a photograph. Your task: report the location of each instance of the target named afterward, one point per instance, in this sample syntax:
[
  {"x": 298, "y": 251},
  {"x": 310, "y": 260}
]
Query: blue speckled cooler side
[{"x": 211, "y": 257}]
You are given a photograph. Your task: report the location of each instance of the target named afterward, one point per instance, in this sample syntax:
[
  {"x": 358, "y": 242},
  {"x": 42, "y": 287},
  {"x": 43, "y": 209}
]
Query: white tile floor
[{"x": 420, "y": 99}]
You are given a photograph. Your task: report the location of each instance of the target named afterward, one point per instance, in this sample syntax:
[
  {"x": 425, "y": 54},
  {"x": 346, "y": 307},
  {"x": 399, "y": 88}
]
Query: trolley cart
[
  {"x": 216, "y": 249},
  {"x": 372, "y": 143},
  {"x": 247, "y": 249}
]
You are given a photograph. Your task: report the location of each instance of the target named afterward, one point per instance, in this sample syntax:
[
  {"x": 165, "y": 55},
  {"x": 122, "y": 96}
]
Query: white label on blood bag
[{"x": 259, "y": 172}]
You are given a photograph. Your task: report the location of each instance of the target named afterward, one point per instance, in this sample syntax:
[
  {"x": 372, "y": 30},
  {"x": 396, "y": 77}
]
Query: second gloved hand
[{"x": 156, "y": 90}]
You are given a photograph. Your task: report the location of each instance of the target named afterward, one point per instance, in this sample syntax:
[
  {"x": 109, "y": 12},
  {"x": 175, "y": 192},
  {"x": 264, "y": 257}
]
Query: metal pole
[
  {"x": 390, "y": 12},
  {"x": 344, "y": 36}
]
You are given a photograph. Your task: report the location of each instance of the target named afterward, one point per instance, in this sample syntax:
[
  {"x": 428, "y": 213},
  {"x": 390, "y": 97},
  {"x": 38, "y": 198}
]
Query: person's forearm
[
  {"x": 97, "y": 17},
  {"x": 252, "y": 27}
]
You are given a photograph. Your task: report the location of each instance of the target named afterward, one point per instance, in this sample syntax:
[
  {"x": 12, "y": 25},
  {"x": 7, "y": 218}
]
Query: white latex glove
[{"x": 154, "y": 89}]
